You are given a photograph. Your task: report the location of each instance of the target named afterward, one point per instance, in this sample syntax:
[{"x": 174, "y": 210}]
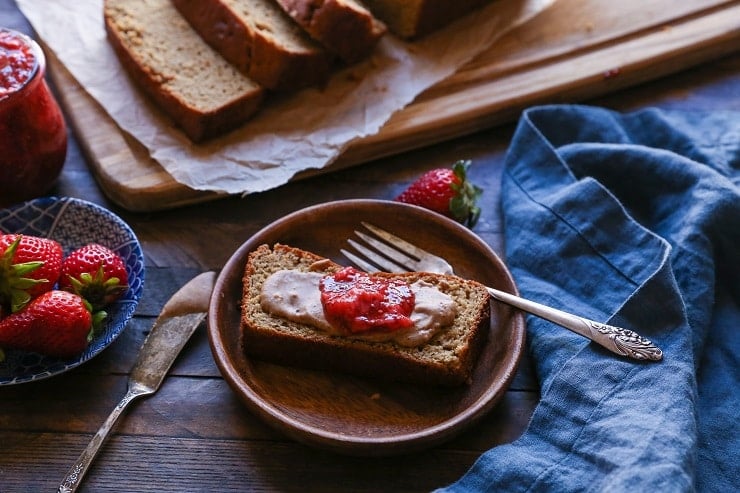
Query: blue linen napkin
[{"x": 632, "y": 219}]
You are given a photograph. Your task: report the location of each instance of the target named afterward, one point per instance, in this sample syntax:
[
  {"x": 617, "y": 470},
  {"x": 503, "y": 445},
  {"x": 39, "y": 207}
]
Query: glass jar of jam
[{"x": 33, "y": 135}]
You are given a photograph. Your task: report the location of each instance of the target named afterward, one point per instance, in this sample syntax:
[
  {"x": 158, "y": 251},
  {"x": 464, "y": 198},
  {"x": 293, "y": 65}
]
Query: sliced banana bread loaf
[
  {"x": 203, "y": 93},
  {"x": 259, "y": 39}
]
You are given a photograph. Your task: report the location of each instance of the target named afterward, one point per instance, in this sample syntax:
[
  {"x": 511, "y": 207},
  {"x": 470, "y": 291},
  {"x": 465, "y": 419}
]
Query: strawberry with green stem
[
  {"x": 446, "y": 191},
  {"x": 29, "y": 266},
  {"x": 56, "y": 323},
  {"x": 96, "y": 273}
]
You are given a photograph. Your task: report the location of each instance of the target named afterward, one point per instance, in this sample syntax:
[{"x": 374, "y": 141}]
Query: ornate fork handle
[{"x": 616, "y": 339}]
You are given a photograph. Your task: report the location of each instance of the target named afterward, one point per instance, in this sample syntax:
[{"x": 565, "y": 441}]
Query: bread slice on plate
[
  {"x": 204, "y": 94},
  {"x": 344, "y": 27},
  {"x": 411, "y": 19},
  {"x": 261, "y": 40},
  {"x": 447, "y": 359}
]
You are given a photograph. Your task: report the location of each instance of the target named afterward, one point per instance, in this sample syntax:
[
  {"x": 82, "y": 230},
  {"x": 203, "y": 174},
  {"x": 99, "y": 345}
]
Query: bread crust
[
  {"x": 341, "y": 26},
  {"x": 412, "y": 19},
  {"x": 277, "y": 340},
  {"x": 254, "y": 50},
  {"x": 198, "y": 125}
]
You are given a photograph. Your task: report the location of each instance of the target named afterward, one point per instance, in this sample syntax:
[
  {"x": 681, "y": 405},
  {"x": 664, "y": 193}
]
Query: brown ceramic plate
[{"x": 359, "y": 416}]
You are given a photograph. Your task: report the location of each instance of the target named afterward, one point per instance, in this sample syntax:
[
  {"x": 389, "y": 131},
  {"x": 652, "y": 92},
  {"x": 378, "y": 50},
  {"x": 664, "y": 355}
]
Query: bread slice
[
  {"x": 447, "y": 359},
  {"x": 204, "y": 94},
  {"x": 260, "y": 40},
  {"x": 414, "y": 18},
  {"x": 344, "y": 27}
]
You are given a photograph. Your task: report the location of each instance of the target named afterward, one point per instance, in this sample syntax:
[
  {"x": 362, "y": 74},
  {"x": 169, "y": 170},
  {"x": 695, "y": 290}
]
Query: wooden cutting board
[{"x": 573, "y": 51}]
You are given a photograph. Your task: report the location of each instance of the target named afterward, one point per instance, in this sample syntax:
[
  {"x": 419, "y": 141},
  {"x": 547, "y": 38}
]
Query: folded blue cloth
[{"x": 633, "y": 220}]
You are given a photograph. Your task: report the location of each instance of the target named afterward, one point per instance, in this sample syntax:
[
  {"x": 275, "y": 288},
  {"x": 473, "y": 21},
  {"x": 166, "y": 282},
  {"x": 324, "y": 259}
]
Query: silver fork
[{"x": 399, "y": 255}]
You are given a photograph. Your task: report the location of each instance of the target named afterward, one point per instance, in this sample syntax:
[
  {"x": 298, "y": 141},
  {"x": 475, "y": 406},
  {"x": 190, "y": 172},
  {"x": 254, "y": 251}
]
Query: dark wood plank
[
  {"x": 155, "y": 464},
  {"x": 185, "y": 406}
]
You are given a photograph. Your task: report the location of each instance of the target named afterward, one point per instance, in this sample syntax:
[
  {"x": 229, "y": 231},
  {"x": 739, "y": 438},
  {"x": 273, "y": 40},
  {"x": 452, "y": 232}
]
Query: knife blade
[{"x": 181, "y": 315}]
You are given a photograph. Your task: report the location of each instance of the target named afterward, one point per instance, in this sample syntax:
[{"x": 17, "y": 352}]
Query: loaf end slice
[
  {"x": 411, "y": 19},
  {"x": 448, "y": 359},
  {"x": 203, "y": 94},
  {"x": 344, "y": 27}
]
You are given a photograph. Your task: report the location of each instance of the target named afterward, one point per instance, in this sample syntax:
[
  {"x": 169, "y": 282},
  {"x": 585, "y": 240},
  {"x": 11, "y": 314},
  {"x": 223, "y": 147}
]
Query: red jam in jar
[
  {"x": 33, "y": 135},
  {"x": 356, "y": 302}
]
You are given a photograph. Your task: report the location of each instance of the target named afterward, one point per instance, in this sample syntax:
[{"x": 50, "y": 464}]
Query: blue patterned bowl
[{"x": 74, "y": 223}]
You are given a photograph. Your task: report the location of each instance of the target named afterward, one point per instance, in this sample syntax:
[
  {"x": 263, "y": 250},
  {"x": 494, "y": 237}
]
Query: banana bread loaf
[
  {"x": 448, "y": 358},
  {"x": 204, "y": 94},
  {"x": 344, "y": 27},
  {"x": 259, "y": 39}
]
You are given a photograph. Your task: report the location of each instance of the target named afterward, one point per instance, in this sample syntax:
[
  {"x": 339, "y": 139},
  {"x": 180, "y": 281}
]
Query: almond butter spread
[{"x": 296, "y": 296}]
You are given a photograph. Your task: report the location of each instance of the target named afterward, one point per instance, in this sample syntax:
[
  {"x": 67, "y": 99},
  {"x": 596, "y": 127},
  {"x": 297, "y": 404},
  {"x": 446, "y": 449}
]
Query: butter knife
[{"x": 181, "y": 315}]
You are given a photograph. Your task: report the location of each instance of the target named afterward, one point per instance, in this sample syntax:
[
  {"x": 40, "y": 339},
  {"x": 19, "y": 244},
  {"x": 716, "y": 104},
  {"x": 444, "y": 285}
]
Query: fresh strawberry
[
  {"x": 29, "y": 266},
  {"x": 96, "y": 273},
  {"x": 446, "y": 191},
  {"x": 56, "y": 323}
]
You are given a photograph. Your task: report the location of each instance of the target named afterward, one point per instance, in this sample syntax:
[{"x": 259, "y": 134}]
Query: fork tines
[{"x": 382, "y": 256}]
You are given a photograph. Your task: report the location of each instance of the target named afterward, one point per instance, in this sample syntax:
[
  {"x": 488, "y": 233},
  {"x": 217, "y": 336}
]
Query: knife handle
[{"x": 74, "y": 476}]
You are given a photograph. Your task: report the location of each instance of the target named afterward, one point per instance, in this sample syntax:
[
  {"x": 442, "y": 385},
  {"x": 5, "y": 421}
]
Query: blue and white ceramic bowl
[{"x": 74, "y": 223}]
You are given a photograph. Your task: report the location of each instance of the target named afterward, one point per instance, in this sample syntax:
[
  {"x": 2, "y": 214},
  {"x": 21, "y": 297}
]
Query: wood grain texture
[
  {"x": 194, "y": 435},
  {"x": 571, "y": 52},
  {"x": 198, "y": 465}
]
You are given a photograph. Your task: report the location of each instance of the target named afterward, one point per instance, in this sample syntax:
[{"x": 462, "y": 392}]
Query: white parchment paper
[{"x": 306, "y": 130}]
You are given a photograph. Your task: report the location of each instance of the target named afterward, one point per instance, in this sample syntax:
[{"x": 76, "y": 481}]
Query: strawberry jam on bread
[{"x": 447, "y": 358}]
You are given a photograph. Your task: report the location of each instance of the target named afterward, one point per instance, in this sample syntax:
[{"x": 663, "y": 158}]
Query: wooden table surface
[{"x": 194, "y": 434}]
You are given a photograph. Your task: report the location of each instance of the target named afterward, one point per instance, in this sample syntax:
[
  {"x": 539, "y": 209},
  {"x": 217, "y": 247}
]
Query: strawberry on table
[
  {"x": 96, "y": 273},
  {"x": 56, "y": 323},
  {"x": 446, "y": 191},
  {"x": 29, "y": 266}
]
